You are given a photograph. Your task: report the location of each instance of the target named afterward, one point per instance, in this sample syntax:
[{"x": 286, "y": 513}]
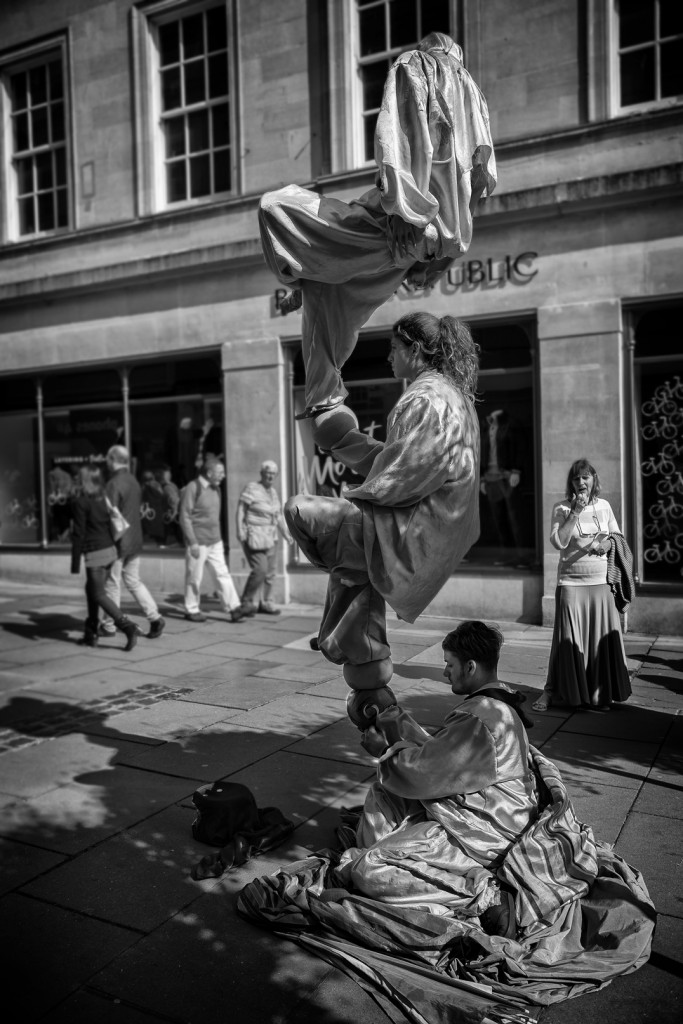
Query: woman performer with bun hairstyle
[{"x": 399, "y": 535}]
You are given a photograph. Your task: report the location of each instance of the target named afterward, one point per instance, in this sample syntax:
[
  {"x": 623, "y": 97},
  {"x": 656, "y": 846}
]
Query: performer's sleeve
[
  {"x": 461, "y": 758},
  {"x": 415, "y": 460},
  {"x": 403, "y": 147}
]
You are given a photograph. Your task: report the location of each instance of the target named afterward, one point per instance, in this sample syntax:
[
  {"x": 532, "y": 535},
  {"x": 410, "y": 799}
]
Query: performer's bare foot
[{"x": 292, "y": 302}]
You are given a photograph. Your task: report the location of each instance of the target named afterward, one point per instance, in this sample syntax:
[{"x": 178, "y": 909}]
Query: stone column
[
  {"x": 581, "y": 409},
  {"x": 256, "y": 416}
]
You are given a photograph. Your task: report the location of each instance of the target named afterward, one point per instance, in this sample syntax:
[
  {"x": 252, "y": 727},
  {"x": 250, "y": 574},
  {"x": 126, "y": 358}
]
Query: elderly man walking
[
  {"x": 200, "y": 521},
  {"x": 259, "y": 519},
  {"x": 124, "y": 493}
]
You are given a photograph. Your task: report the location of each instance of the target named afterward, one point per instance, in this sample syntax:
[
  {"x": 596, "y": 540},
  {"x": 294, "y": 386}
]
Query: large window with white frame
[
  {"x": 648, "y": 46},
  {"x": 36, "y": 192},
  {"x": 185, "y": 100},
  {"x": 366, "y": 37}
]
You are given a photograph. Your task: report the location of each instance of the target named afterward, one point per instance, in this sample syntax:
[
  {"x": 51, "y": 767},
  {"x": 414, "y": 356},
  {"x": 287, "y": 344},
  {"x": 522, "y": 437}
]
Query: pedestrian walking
[
  {"x": 124, "y": 492},
  {"x": 200, "y": 520},
  {"x": 259, "y": 520},
  {"x": 93, "y": 541}
]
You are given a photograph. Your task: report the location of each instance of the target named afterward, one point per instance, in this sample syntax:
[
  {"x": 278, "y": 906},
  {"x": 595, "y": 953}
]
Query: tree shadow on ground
[{"x": 122, "y": 836}]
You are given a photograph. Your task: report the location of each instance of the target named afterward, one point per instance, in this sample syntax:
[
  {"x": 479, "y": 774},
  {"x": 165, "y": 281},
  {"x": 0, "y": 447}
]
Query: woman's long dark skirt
[{"x": 587, "y": 658}]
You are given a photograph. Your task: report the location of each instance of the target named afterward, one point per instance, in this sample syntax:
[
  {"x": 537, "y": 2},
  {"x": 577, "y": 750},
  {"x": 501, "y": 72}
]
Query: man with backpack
[{"x": 200, "y": 521}]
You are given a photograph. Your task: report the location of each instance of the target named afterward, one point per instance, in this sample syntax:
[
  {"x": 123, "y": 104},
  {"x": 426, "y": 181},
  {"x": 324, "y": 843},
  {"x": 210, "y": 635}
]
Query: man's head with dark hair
[{"x": 471, "y": 653}]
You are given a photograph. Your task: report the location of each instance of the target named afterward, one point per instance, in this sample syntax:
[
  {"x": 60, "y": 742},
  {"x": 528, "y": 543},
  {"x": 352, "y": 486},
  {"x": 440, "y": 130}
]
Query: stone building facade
[{"x": 135, "y": 304}]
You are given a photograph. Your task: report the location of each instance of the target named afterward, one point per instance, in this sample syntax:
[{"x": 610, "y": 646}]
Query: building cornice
[{"x": 567, "y": 197}]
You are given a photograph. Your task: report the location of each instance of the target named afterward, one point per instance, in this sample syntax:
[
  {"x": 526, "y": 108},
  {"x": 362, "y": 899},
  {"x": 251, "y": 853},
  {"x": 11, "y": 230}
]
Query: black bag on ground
[
  {"x": 223, "y": 809},
  {"x": 227, "y": 816}
]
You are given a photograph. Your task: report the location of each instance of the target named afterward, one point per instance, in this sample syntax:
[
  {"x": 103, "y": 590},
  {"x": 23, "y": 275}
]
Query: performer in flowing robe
[
  {"x": 445, "y": 809},
  {"x": 435, "y": 162},
  {"x": 397, "y": 536},
  {"x": 467, "y": 889}
]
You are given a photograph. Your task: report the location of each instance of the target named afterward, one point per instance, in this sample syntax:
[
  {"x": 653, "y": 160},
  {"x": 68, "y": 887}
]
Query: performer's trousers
[
  {"x": 338, "y": 254},
  {"x": 330, "y": 533}
]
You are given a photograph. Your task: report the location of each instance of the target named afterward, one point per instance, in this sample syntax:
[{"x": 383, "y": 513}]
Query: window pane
[
  {"x": 60, "y": 166},
  {"x": 372, "y": 31},
  {"x": 19, "y": 86},
  {"x": 176, "y": 181},
  {"x": 46, "y": 211},
  {"x": 44, "y": 171},
  {"x": 57, "y": 120},
  {"x": 221, "y": 171},
  {"x": 218, "y": 76},
  {"x": 403, "y": 23},
  {"x": 220, "y": 122},
  {"x": 24, "y": 176},
  {"x": 39, "y": 126},
  {"x": 21, "y": 140},
  {"x": 170, "y": 89},
  {"x": 62, "y": 208},
  {"x": 369, "y": 135},
  {"x": 670, "y": 17},
  {"x": 19, "y": 492},
  {"x": 56, "y": 83},
  {"x": 193, "y": 36},
  {"x": 435, "y": 17},
  {"x": 200, "y": 176},
  {"x": 198, "y": 131},
  {"x": 216, "y": 29},
  {"x": 638, "y": 77},
  {"x": 195, "y": 91},
  {"x": 169, "y": 44},
  {"x": 38, "y": 85},
  {"x": 27, "y": 218},
  {"x": 636, "y": 21},
  {"x": 175, "y": 136},
  {"x": 672, "y": 68},
  {"x": 661, "y": 432},
  {"x": 374, "y": 77}
]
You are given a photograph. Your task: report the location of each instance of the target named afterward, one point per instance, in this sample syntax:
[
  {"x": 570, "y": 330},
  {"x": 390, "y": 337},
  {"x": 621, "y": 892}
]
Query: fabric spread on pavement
[{"x": 584, "y": 917}]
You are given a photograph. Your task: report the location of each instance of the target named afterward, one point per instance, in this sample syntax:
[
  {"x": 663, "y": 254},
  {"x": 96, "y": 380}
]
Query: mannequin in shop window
[{"x": 501, "y": 473}]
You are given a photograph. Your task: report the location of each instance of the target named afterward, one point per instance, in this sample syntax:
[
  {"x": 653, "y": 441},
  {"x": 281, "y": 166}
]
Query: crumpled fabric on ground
[{"x": 585, "y": 917}]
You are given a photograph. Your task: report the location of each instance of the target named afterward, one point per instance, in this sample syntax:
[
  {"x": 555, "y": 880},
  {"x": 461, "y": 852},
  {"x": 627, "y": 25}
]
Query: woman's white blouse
[{"x": 577, "y": 567}]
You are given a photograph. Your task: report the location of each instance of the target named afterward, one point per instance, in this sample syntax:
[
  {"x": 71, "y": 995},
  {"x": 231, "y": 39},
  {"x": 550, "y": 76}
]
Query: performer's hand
[
  {"x": 373, "y": 741},
  {"x": 401, "y": 237}
]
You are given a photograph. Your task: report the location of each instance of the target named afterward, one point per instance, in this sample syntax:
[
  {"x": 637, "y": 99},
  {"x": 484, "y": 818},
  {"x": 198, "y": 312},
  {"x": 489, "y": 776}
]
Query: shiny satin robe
[
  {"x": 445, "y": 809},
  {"x": 420, "y": 499},
  {"x": 435, "y": 162}
]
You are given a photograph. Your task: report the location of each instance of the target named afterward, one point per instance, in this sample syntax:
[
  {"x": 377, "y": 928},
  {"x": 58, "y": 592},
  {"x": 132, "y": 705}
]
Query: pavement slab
[
  {"x": 82, "y": 814},
  {"x": 37, "y": 931},
  {"x": 210, "y": 754},
  {"x": 101, "y": 752}
]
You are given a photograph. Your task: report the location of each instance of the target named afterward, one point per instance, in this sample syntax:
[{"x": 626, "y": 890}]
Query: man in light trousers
[{"x": 200, "y": 520}]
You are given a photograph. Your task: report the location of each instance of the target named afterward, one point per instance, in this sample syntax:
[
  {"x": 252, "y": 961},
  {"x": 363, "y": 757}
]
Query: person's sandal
[{"x": 542, "y": 703}]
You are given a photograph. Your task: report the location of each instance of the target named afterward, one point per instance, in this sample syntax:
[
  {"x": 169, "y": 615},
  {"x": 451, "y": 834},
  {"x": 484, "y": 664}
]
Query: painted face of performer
[
  {"x": 582, "y": 484},
  {"x": 402, "y": 359},
  {"x": 459, "y": 674}
]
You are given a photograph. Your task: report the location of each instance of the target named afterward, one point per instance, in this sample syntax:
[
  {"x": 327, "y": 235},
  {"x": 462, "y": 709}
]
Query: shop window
[
  {"x": 658, "y": 384},
  {"x": 649, "y": 45},
  {"x": 366, "y": 38},
  {"x": 185, "y": 100},
  {"x": 37, "y": 188},
  {"x": 506, "y": 387},
  {"x": 505, "y": 407},
  {"x": 373, "y": 392},
  {"x": 19, "y": 480}
]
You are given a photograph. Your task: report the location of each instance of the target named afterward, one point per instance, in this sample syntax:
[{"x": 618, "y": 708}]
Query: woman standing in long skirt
[{"x": 587, "y": 658}]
